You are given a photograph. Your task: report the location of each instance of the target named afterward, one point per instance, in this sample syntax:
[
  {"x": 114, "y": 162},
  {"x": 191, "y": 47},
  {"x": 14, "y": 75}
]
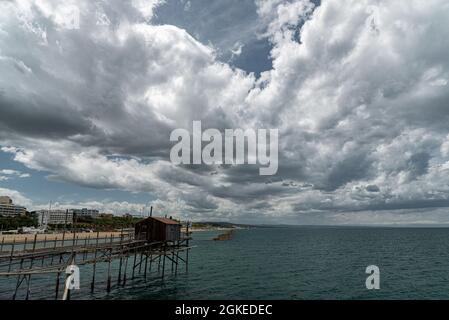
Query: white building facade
[
  {"x": 54, "y": 217},
  {"x": 92, "y": 213}
]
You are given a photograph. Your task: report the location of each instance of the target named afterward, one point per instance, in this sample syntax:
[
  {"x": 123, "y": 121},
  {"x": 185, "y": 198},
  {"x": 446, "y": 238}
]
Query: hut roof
[{"x": 166, "y": 220}]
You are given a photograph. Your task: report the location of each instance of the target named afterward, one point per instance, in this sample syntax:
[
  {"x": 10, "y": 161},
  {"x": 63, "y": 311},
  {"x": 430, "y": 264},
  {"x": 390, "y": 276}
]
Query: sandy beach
[{"x": 20, "y": 238}]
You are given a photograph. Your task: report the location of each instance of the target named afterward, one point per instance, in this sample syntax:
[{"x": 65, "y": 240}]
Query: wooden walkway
[{"x": 25, "y": 259}]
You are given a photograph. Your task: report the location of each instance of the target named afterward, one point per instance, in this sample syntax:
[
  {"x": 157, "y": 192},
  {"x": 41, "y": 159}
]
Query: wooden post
[
  {"x": 146, "y": 265},
  {"x": 57, "y": 278},
  {"x": 108, "y": 288},
  {"x": 60, "y": 260},
  {"x": 177, "y": 262},
  {"x": 12, "y": 253},
  {"x": 86, "y": 243},
  {"x": 74, "y": 239},
  {"x": 27, "y": 297},
  {"x": 63, "y": 238},
  {"x": 163, "y": 263},
  {"x": 43, "y": 256},
  {"x": 121, "y": 259},
  {"x": 134, "y": 264},
  {"x": 54, "y": 249},
  {"x": 140, "y": 263},
  {"x": 31, "y": 266},
  {"x": 57, "y": 286},
  {"x": 92, "y": 284},
  {"x": 65, "y": 222},
  {"x": 126, "y": 268},
  {"x": 19, "y": 282},
  {"x": 34, "y": 242},
  {"x": 173, "y": 261}
]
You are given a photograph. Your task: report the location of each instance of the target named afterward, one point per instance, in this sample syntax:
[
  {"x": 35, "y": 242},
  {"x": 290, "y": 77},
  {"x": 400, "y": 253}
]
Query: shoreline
[{"x": 21, "y": 238}]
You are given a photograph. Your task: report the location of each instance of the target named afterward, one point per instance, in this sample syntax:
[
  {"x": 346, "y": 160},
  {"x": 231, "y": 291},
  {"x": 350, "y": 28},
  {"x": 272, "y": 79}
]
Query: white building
[
  {"x": 8, "y": 209},
  {"x": 86, "y": 212},
  {"x": 54, "y": 217}
]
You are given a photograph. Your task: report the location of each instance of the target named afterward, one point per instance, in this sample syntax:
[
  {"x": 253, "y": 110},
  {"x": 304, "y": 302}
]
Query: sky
[{"x": 358, "y": 90}]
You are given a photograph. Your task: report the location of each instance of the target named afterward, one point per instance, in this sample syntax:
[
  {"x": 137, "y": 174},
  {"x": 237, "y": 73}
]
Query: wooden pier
[{"x": 136, "y": 257}]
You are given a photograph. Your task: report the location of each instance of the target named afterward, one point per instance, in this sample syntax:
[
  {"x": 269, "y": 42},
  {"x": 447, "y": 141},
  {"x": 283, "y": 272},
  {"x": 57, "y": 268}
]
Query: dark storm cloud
[
  {"x": 372, "y": 188},
  {"x": 418, "y": 164},
  {"x": 36, "y": 118},
  {"x": 353, "y": 168},
  {"x": 358, "y": 91}
]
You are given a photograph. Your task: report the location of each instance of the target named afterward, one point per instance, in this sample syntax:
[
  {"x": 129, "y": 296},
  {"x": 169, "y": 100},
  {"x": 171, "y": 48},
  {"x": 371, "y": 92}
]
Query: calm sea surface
[{"x": 291, "y": 263}]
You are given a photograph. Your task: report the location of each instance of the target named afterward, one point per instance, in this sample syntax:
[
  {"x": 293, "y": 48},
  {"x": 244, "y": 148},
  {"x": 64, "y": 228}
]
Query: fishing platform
[{"x": 157, "y": 245}]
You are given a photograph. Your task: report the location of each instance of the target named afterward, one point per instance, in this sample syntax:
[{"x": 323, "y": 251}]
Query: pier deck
[{"x": 27, "y": 258}]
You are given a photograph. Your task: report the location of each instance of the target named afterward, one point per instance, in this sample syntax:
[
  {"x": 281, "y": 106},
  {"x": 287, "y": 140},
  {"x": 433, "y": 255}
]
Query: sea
[{"x": 299, "y": 263}]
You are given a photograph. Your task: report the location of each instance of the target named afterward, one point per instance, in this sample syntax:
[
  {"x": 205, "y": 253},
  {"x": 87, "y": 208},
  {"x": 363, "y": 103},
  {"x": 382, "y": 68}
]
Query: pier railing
[{"x": 37, "y": 256}]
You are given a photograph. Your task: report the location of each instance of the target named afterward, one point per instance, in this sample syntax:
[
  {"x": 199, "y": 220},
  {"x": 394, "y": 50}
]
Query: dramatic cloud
[
  {"x": 358, "y": 90},
  {"x": 17, "y": 197}
]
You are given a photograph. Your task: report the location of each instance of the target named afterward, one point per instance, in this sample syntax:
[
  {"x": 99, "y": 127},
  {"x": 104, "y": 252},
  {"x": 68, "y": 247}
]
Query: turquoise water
[{"x": 300, "y": 263}]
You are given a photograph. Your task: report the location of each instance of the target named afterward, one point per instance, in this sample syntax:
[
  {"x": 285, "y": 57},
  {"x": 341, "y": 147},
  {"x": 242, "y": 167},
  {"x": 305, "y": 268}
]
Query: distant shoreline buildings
[
  {"x": 92, "y": 213},
  {"x": 9, "y": 209},
  {"x": 52, "y": 217},
  {"x": 46, "y": 217},
  {"x": 66, "y": 217}
]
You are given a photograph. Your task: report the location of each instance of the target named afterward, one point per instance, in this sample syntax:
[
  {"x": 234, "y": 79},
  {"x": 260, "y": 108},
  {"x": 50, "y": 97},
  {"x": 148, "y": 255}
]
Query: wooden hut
[{"x": 158, "y": 229}]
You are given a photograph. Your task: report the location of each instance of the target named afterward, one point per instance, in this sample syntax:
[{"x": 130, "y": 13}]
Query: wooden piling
[
  {"x": 140, "y": 263},
  {"x": 12, "y": 253},
  {"x": 85, "y": 246},
  {"x": 121, "y": 259},
  {"x": 24, "y": 262},
  {"x": 146, "y": 265},
  {"x": 134, "y": 265},
  {"x": 163, "y": 264},
  {"x": 31, "y": 267},
  {"x": 108, "y": 287},
  {"x": 92, "y": 284},
  {"x": 126, "y": 268},
  {"x": 19, "y": 281}
]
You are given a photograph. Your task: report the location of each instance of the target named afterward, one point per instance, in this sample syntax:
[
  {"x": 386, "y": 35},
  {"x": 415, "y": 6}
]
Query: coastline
[{"x": 20, "y": 238}]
